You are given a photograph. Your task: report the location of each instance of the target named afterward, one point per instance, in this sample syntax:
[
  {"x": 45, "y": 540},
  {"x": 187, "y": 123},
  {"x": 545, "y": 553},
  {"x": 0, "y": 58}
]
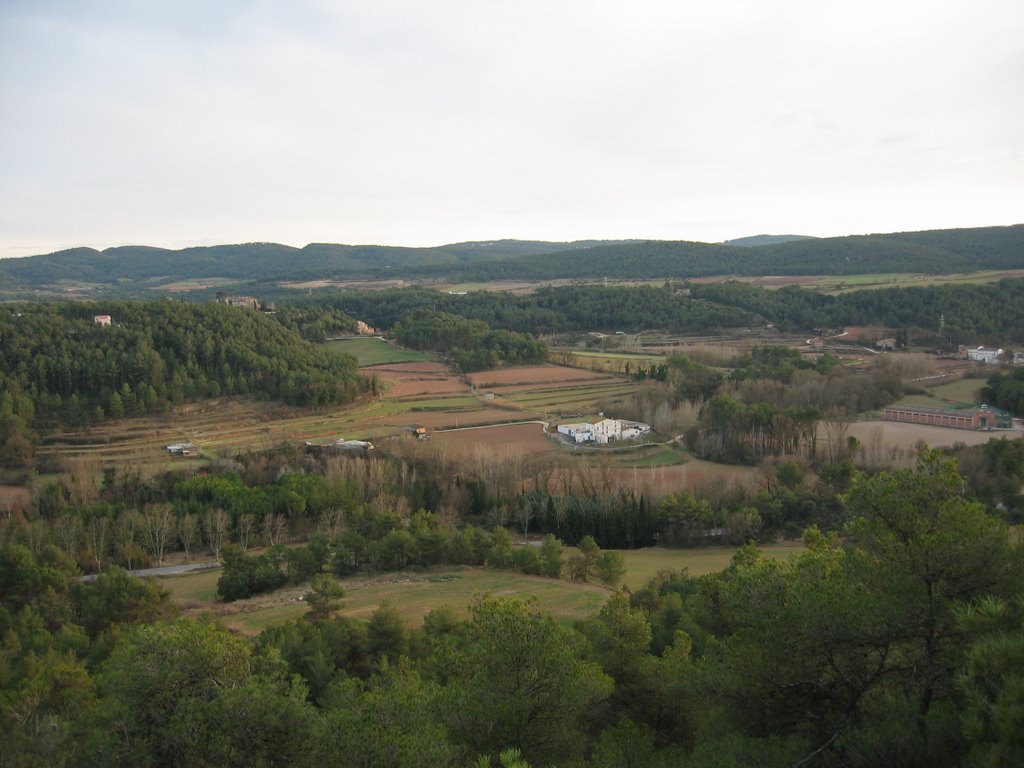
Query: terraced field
[
  {"x": 551, "y": 389},
  {"x": 423, "y": 393}
]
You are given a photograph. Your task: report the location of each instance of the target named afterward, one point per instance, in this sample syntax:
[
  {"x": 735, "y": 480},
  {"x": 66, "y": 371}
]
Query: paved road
[
  {"x": 171, "y": 570},
  {"x": 167, "y": 570}
]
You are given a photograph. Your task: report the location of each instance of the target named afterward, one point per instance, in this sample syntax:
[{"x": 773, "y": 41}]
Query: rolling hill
[{"x": 136, "y": 269}]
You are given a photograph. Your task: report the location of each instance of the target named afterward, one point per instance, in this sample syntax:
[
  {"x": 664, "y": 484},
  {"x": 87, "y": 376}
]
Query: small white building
[
  {"x": 581, "y": 433},
  {"x": 182, "y": 449},
  {"x": 101, "y": 319},
  {"x": 983, "y": 355}
]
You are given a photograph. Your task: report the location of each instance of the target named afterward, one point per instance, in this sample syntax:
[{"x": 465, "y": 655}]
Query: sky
[{"x": 424, "y": 122}]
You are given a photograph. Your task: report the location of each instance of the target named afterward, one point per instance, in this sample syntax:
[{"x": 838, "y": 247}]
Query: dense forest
[
  {"x": 994, "y": 311},
  {"x": 941, "y": 251},
  {"x": 967, "y": 313},
  {"x": 57, "y": 365},
  {"x": 470, "y": 344},
  {"x": 893, "y": 639},
  {"x": 140, "y": 268},
  {"x": 144, "y": 266}
]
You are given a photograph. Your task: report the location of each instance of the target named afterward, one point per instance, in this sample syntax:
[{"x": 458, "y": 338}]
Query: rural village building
[
  {"x": 240, "y": 301},
  {"x": 604, "y": 431},
  {"x": 101, "y": 319},
  {"x": 981, "y": 417},
  {"x": 981, "y": 354},
  {"x": 182, "y": 449}
]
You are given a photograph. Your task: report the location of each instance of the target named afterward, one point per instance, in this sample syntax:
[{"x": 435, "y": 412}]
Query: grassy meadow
[
  {"x": 373, "y": 351},
  {"x": 415, "y": 593},
  {"x": 960, "y": 392},
  {"x": 642, "y": 565}
]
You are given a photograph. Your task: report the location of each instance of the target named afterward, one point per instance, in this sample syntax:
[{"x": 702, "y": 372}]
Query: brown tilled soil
[
  {"x": 516, "y": 438},
  {"x": 534, "y": 375}
]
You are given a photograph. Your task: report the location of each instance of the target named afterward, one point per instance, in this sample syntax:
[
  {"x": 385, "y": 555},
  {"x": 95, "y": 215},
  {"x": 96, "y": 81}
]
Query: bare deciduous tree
[
  {"x": 837, "y": 426},
  {"x": 157, "y": 528},
  {"x": 332, "y": 521},
  {"x": 188, "y": 534},
  {"x": 35, "y": 534},
  {"x": 127, "y": 531},
  {"x": 274, "y": 528},
  {"x": 246, "y": 528},
  {"x": 83, "y": 481},
  {"x": 97, "y": 536},
  {"x": 215, "y": 528},
  {"x": 67, "y": 532},
  {"x": 524, "y": 514}
]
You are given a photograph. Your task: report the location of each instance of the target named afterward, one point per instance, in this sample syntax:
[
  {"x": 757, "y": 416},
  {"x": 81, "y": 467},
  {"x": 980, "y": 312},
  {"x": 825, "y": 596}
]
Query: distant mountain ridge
[
  {"x": 259, "y": 261},
  {"x": 145, "y": 268},
  {"x": 755, "y": 240}
]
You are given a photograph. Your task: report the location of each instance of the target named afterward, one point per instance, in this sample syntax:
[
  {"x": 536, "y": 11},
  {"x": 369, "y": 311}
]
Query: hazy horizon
[
  {"x": 301, "y": 245},
  {"x": 400, "y": 123}
]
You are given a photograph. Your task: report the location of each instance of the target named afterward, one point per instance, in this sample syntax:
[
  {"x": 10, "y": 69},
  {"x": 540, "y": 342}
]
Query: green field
[
  {"x": 847, "y": 283},
  {"x": 415, "y": 593},
  {"x": 663, "y": 457},
  {"x": 966, "y": 391},
  {"x": 200, "y": 586},
  {"x": 961, "y": 392},
  {"x": 642, "y": 565},
  {"x": 372, "y": 351}
]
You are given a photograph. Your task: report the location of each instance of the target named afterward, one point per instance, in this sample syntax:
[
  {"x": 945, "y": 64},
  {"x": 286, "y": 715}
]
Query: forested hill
[
  {"x": 755, "y": 240},
  {"x": 140, "y": 268},
  {"x": 258, "y": 261},
  {"x": 58, "y": 365},
  {"x": 939, "y": 252}
]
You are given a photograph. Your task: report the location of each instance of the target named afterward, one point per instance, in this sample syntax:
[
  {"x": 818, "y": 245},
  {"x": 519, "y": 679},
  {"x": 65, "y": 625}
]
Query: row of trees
[{"x": 735, "y": 432}]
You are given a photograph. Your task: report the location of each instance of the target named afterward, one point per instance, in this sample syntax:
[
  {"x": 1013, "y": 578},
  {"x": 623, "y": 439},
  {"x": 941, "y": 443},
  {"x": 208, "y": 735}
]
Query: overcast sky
[{"x": 196, "y": 122}]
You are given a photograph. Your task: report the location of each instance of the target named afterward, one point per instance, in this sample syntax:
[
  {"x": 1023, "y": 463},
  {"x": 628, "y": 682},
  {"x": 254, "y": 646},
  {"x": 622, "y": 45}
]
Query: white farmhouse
[
  {"x": 604, "y": 431},
  {"x": 607, "y": 429},
  {"x": 983, "y": 355}
]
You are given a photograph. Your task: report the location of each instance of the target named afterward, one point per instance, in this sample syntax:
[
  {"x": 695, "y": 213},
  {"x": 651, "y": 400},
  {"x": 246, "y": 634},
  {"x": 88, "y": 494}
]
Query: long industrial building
[{"x": 982, "y": 417}]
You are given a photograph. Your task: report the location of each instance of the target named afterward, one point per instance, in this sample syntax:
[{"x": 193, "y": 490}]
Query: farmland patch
[
  {"x": 509, "y": 438},
  {"x": 533, "y": 375},
  {"x": 374, "y": 351},
  {"x": 894, "y": 434}
]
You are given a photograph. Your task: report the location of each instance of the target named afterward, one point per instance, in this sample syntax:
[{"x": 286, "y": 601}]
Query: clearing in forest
[
  {"x": 373, "y": 351},
  {"x": 412, "y": 593}
]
